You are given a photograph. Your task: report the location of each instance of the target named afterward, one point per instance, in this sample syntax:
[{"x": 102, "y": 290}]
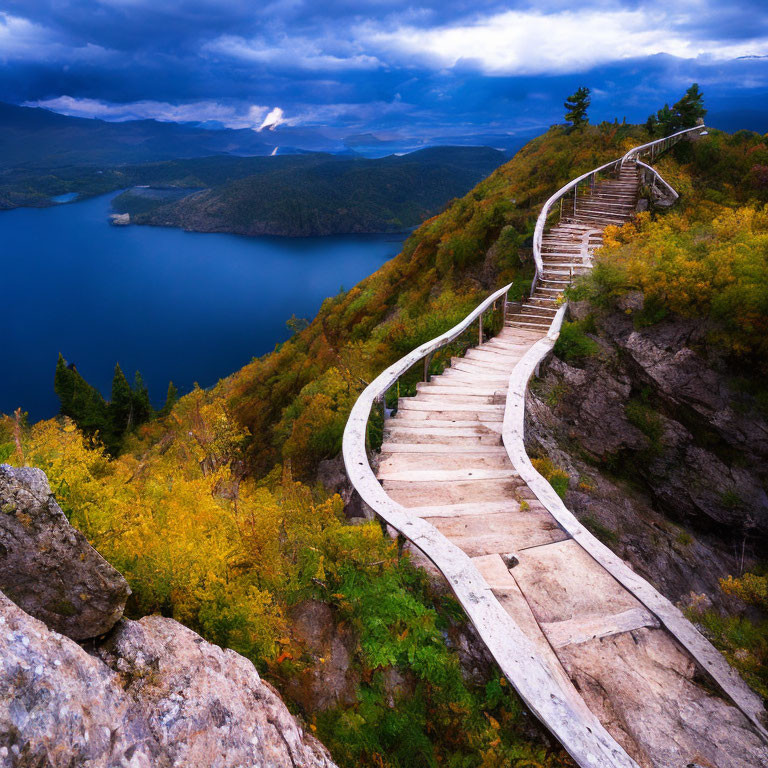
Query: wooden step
[
  {"x": 421, "y": 404},
  {"x": 440, "y": 449},
  {"x": 417, "y": 494},
  {"x": 485, "y": 423}
]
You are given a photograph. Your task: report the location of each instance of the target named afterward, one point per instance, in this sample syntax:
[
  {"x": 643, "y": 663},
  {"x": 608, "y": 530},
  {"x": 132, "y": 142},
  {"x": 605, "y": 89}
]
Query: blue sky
[{"x": 395, "y": 68}]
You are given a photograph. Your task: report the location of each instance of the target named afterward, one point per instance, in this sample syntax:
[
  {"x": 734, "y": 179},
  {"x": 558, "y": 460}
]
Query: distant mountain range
[
  {"x": 223, "y": 180},
  {"x": 35, "y": 137},
  {"x": 38, "y": 138}
]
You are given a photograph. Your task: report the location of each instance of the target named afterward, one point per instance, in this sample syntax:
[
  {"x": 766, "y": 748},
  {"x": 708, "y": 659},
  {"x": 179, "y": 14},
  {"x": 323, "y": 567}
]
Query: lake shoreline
[{"x": 183, "y": 306}]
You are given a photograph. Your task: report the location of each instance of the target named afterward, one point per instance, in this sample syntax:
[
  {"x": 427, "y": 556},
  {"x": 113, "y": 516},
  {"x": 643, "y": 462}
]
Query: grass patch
[
  {"x": 555, "y": 394},
  {"x": 556, "y": 477},
  {"x": 573, "y": 345},
  {"x": 607, "y": 535},
  {"x": 647, "y": 420},
  {"x": 744, "y": 644}
]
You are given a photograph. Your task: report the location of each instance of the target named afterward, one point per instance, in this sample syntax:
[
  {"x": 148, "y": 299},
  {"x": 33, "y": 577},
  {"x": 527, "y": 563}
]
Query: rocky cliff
[
  {"x": 666, "y": 449},
  {"x": 139, "y": 693}
]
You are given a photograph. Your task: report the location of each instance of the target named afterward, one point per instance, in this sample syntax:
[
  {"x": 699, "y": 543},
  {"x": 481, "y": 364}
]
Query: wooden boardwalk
[{"x": 611, "y": 657}]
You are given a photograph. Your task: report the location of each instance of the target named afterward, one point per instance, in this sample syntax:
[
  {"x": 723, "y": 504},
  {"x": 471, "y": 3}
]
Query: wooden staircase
[
  {"x": 443, "y": 460},
  {"x": 567, "y": 248},
  {"x": 612, "y": 660}
]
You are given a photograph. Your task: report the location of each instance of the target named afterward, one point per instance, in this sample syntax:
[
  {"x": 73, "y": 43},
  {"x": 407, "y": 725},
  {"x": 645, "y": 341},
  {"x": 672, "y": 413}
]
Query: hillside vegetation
[
  {"x": 707, "y": 258},
  {"x": 319, "y": 194},
  {"x": 215, "y": 514},
  {"x": 294, "y": 195}
]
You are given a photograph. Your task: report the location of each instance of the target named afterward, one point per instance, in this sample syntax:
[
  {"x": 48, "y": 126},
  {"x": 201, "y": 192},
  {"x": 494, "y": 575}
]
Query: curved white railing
[
  {"x": 653, "y": 148},
  {"x": 657, "y": 177},
  {"x": 513, "y": 434},
  {"x": 541, "y": 223},
  {"x": 702, "y": 651}
]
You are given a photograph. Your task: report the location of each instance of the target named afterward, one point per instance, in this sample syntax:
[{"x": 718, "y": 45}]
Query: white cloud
[
  {"x": 532, "y": 42},
  {"x": 232, "y": 116},
  {"x": 241, "y": 115},
  {"x": 290, "y": 53},
  {"x": 273, "y": 119}
]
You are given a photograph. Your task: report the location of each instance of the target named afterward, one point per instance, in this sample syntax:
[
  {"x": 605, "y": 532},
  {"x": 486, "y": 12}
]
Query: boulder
[
  {"x": 47, "y": 567},
  {"x": 204, "y": 705},
  {"x": 152, "y": 695},
  {"x": 60, "y": 706}
]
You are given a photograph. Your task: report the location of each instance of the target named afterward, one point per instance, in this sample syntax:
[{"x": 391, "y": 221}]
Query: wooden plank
[
  {"x": 409, "y": 494},
  {"x": 441, "y": 448},
  {"x": 412, "y": 420},
  {"x": 445, "y": 475},
  {"x": 465, "y": 510},
  {"x": 499, "y": 532},
  {"x": 574, "y": 631},
  {"x": 561, "y": 582},
  {"x": 439, "y": 461},
  {"x": 508, "y": 594},
  {"x": 421, "y": 404}
]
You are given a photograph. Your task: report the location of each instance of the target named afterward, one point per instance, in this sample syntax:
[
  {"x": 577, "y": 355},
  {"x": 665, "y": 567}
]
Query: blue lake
[{"x": 182, "y": 306}]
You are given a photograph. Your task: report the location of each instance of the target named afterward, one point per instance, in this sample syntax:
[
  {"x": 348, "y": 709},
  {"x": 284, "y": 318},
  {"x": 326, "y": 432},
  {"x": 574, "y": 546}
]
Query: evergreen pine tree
[
  {"x": 684, "y": 113},
  {"x": 576, "y": 106},
  {"x": 170, "y": 399},
  {"x": 690, "y": 108},
  {"x": 64, "y": 386},
  {"x": 665, "y": 118},
  {"x": 79, "y": 400},
  {"x": 142, "y": 407},
  {"x": 120, "y": 404}
]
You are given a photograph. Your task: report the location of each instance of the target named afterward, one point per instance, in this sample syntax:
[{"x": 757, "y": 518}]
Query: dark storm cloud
[{"x": 431, "y": 69}]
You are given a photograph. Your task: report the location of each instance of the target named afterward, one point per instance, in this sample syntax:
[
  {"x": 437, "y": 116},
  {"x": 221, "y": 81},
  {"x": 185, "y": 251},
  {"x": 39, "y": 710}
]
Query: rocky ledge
[{"x": 148, "y": 694}]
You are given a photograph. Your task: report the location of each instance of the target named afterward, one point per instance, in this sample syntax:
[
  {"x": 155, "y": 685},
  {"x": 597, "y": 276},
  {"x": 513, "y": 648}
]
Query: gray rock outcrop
[
  {"x": 47, "y": 567},
  {"x": 153, "y": 695}
]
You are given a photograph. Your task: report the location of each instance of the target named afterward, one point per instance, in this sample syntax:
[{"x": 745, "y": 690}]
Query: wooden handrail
[
  {"x": 658, "y": 177},
  {"x": 660, "y": 144}
]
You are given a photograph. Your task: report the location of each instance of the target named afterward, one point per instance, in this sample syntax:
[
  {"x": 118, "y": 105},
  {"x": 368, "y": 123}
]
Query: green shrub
[
  {"x": 573, "y": 345},
  {"x": 556, "y": 477}
]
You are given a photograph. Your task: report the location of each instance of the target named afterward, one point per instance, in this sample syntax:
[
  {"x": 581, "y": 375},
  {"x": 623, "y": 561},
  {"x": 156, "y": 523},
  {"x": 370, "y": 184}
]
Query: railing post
[
  {"x": 427, "y": 360},
  {"x": 480, "y": 330}
]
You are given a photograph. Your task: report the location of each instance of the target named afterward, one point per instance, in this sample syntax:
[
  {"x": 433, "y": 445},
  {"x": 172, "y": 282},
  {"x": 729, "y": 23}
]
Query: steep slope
[{"x": 584, "y": 630}]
